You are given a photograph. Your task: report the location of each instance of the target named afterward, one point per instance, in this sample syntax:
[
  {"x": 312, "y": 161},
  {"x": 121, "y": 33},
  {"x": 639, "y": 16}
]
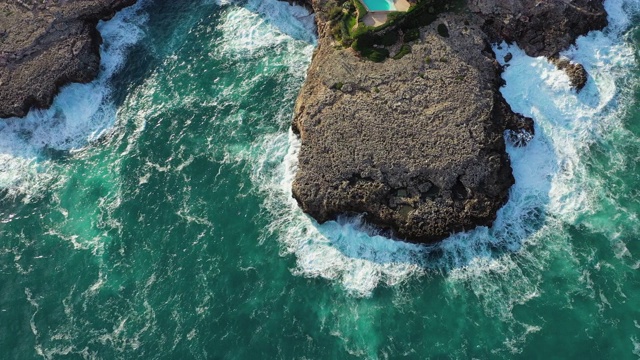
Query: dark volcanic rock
[
  {"x": 576, "y": 72},
  {"x": 543, "y": 28},
  {"x": 46, "y": 44},
  {"x": 508, "y": 57},
  {"x": 414, "y": 144},
  {"x": 540, "y": 27}
]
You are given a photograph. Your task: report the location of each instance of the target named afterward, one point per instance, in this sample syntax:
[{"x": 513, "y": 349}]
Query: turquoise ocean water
[{"x": 147, "y": 215}]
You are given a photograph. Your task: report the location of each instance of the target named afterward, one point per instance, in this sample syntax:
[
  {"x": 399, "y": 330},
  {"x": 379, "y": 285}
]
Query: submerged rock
[
  {"x": 417, "y": 144},
  {"x": 45, "y": 45},
  {"x": 576, "y": 72}
]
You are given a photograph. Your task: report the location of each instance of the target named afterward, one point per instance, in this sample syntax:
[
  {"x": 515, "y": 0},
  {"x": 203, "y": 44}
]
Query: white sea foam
[
  {"x": 294, "y": 21},
  {"x": 337, "y": 250},
  {"x": 259, "y": 25},
  {"x": 80, "y": 114},
  {"x": 551, "y": 187}
]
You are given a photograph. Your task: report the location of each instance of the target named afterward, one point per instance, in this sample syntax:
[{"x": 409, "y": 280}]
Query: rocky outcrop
[
  {"x": 46, "y": 44},
  {"x": 576, "y": 72},
  {"x": 543, "y": 28},
  {"x": 540, "y": 27},
  {"x": 416, "y": 145}
]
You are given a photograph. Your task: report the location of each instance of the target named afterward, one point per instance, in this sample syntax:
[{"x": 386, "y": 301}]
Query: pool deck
[{"x": 377, "y": 18}]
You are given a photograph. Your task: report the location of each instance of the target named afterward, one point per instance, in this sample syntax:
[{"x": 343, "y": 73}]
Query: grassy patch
[
  {"x": 368, "y": 51},
  {"x": 412, "y": 35},
  {"x": 348, "y": 29},
  {"x": 344, "y": 19},
  {"x": 362, "y": 11},
  {"x": 404, "y": 50},
  {"x": 350, "y": 21}
]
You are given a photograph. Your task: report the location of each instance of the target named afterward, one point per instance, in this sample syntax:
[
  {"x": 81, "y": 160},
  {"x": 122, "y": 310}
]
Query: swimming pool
[{"x": 379, "y": 5}]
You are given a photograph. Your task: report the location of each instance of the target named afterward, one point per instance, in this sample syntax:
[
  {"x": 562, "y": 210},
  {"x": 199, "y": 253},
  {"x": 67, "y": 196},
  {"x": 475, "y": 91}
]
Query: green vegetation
[
  {"x": 373, "y": 43},
  {"x": 362, "y": 11},
  {"x": 335, "y": 13},
  {"x": 366, "y": 47},
  {"x": 344, "y": 20},
  {"x": 389, "y": 38},
  {"x": 411, "y": 35},
  {"x": 350, "y": 22},
  {"x": 404, "y": 50}
]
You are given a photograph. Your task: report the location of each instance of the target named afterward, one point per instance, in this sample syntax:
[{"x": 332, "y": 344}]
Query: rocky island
[
  {"x": 47, "y": 44},
  {"x": 405, "y": 123}
]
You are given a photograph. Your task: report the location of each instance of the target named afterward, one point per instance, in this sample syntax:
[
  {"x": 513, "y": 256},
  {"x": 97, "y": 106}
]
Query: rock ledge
[
  {"x": 416, "y": 144},
  {"x": 45, "y": 45}
]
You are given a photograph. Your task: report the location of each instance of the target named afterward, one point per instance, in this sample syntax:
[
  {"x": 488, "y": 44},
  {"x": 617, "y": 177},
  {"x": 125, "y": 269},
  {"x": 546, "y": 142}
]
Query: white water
[
  {"x": 551, "y": 187},
  {"x": 549, "y": 177},
  {"x": 258, "y": 27},
  {"x": 81, "y": 113},
  {"x": 259, "y": 24}
]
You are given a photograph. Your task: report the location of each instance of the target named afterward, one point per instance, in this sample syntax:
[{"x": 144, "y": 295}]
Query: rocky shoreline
[
  {"x": 45, "y": 45},
  {"x": 416, "y": 144}
]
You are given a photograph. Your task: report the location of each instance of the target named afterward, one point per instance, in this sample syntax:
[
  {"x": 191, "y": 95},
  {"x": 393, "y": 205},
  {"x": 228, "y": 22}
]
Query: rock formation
[
  {"x": 540, "y": 27},
  {"x": 46, "y": 44},
  {"x": 543, "y": 28},
  {"x": 415, "y": 144}
]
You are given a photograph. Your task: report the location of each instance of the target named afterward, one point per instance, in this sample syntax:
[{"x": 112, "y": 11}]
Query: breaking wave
[
  {"x": 552, "y": 185},
  {"x": 80, "y": 114}
]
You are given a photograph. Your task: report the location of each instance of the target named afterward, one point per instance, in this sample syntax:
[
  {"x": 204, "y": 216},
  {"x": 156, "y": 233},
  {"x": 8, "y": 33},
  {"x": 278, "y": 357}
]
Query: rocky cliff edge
[
  {"x": 416, "y": 145},
  {"x": 46, "y": 44}
]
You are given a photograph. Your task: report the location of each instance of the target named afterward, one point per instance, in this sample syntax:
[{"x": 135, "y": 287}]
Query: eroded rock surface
[
  {"x": 540, "y": 27},
  {"x": 46, "y": 44},
  {"x": 415, "y": 144},
  {"x": 543, "y": 27}
]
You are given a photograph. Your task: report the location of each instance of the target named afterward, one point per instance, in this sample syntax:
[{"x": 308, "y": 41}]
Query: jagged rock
[
  {"x": 543, "y": 28},
  {"x": 540, "y": 27},
  {"x": 508, "y": 57},
  {"x": 418, "y": 145},
  {"x": 576, "y": 72},
  {"x": 418, "y": 148},
  {"x": 44, "y": 45}
]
